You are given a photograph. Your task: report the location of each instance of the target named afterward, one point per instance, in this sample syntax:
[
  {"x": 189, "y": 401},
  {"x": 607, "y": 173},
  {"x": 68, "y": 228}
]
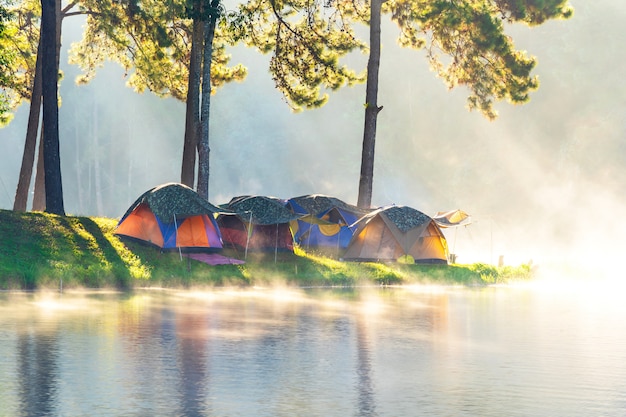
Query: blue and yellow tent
[{"x": 325, "y": 224}]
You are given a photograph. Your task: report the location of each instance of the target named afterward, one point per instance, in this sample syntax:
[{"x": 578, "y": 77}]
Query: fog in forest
[{"x": 544, "y": 182}]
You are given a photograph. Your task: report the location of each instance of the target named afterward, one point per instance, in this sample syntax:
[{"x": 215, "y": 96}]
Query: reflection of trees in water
[
  {"x": 148, "y": 340},
  {"x": 200, "y": 358},
  {"x": 192, "y": 332},
  {"x": 168, "y": 347},
  {"x": 408, "y": 322},
  {"x": 365, "y": 389},
  {"x": 38, "y": 373}
]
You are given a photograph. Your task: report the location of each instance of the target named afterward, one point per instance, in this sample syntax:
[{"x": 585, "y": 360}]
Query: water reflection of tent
[
  {"x": 396, "y": 232},
  {"x": 325, "y": 224},
  {"x": 172, "y": 216},
  {"x": 257, "y": 223}
]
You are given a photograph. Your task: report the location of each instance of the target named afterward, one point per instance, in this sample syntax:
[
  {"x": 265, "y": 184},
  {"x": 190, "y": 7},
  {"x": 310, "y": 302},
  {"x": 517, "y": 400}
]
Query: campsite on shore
[{"x": 46, "y": 251}]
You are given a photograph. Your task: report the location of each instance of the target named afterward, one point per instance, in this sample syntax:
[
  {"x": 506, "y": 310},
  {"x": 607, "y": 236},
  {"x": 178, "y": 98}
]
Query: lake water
[{"x": 419, "y": 351}]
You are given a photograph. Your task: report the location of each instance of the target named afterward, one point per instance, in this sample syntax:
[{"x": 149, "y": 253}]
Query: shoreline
[{"x": 44, "y": 251}]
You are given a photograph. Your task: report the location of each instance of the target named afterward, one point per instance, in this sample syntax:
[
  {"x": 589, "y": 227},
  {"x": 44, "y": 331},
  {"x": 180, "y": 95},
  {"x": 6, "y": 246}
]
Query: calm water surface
[{"x": 499, "y": 351}]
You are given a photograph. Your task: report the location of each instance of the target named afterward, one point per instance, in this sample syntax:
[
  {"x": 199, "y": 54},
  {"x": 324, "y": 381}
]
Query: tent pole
[
  {"x": 276, "y": 244},
  {"x": 491, "y": 240},
  {"x": 456, "y": 229},
  {"x": 308, "y": 237},
  {"x": 176, "y": 236},
  {"x": 248, "y": 238}
]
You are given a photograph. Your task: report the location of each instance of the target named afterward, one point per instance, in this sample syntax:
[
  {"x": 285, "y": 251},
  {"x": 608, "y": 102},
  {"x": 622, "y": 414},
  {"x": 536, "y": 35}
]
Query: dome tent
[
  {"x": 326, "y": 222},
  {"x": 395, "y": 232},
  {"x": 172, "y": 216},
  {"x": 256, "y": 223}
]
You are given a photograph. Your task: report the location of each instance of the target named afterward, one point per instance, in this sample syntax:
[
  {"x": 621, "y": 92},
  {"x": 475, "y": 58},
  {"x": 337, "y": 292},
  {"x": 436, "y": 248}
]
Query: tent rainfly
[{"x": 452, "y": 218}]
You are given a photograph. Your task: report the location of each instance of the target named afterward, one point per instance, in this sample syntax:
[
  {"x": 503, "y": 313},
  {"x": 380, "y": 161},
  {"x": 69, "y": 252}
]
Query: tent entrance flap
[{"x": 141, "y": 224}]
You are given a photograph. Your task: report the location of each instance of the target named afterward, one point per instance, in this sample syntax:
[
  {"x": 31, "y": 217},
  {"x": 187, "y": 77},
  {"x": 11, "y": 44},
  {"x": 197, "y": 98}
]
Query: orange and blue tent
[{"x": 172, "y": 216}]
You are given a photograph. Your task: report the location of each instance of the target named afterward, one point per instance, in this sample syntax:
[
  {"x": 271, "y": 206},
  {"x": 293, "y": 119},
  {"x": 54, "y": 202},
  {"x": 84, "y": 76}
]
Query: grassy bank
[{"x": 39, "y": 250}]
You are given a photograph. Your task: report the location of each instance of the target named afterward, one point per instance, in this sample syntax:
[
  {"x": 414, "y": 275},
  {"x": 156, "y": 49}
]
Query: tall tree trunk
[
  {"x": 30, "y": 144},
  {"x": 371, "y": 109},
  {"x": 52, "y": 160},
  {"x": 39, "y": 192},
  {"x": 192, "y": 115},
  {"x": 203, "y": 143}
]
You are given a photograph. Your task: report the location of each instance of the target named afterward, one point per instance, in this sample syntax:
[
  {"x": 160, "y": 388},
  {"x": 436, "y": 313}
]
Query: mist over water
[
  {"x": 543, "y": 182},
  {"x": 492, "y": 351}
]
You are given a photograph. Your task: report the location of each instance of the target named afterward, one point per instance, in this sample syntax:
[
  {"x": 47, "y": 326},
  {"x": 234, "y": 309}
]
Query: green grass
[{"x": 43, "y": 251}]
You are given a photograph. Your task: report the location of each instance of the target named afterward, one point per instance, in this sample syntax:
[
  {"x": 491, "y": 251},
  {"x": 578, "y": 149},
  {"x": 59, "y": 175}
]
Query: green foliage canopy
[
  {"x": 6, "y": 59},
  {"x": 151, "y": 39},
  {"x": 306, "y": 40},
  {"x": 19, "y": 37},
  {"x": 467, "y": 45},
  {"x": 464, "y": 40}
]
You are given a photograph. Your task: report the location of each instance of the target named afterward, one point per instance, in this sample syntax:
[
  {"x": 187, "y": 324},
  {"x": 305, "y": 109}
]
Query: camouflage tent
[
  {"x": 397, "y": 232},
  {"x": 257, "y": 223},
  {"x": 172, "y": 216},
  {"x": 326, "y": 222}
]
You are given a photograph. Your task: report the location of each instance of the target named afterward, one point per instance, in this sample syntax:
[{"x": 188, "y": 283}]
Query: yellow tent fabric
[
  {"x": 452, "y": 218},
  {"x": 329, "y": 229}
]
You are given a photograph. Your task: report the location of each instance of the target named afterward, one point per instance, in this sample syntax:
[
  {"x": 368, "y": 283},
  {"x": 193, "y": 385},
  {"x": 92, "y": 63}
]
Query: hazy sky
[{"x": 543, "y": 182}]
